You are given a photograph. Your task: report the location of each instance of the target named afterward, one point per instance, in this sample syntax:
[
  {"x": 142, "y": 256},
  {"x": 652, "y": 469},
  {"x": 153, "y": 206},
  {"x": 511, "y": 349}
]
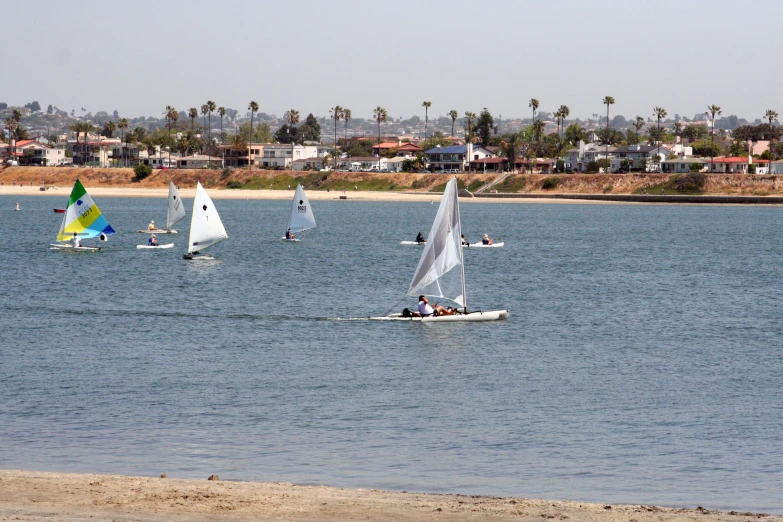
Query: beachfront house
[
  {"x": 32, "y": 152},
  {"x": 362, "y": 163},
  {"x": 683, "y": 165},
  {"x": 578, "y": 158},
  {"x": 199, "y": 161},
  {"x": 284, "y": 154},
  {"x": 737, "y": 165},
  {"x": 646, "y": 158},
  {"x": 308, "y": 164},
  {"x": 455, "y": 157},
  {"x": 399, "y": 148}
]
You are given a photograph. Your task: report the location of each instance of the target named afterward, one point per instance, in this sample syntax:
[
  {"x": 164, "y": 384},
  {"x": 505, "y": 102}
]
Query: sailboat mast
[{"x": 461, "y": 250}]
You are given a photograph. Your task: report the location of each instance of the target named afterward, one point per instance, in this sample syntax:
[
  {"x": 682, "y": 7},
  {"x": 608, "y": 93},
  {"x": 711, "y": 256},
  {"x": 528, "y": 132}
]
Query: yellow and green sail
[{"x": 83, "y": 217}]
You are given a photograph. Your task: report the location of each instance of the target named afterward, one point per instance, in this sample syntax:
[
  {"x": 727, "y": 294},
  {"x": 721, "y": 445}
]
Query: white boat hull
[
  {"x": 414, "y": 243},
  {"x": 158, "y": 247},
  {"x": 482, "y": 245},
  {"x": 198, "y": 257},
  {"x": 291, "y": 240},
  {"x": 71, "y": 248},
  {"x": 157, "y": 231},
  {"x": 493, "y": 315}
]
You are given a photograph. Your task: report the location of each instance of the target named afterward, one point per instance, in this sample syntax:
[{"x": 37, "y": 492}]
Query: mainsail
[
  {"x": 176, "y": 208},
  {"x": 82, "y": 216},
  {"x": 436, "y": 275},
  {"x": 206, "y": 229},
  {"x": 301, "y": 213}
]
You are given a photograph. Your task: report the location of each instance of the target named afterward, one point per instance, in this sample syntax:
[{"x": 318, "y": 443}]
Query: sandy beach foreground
[{"x": 35, "y": 496}]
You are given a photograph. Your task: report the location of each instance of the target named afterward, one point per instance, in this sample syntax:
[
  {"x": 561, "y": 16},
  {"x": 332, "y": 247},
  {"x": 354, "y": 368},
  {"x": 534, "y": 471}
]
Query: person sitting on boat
[
  {"x": 289, "y": 234},
  {"x": 151, "y": 226},
  {"x": 486, "y": 240},
  {"x": 425, "y": 309},
  {"x": 465, "y": 241},
  {"x": 152, "y": 241},
  {"x": 420, "y": 238},
  {"x": 75, "y": 241}
]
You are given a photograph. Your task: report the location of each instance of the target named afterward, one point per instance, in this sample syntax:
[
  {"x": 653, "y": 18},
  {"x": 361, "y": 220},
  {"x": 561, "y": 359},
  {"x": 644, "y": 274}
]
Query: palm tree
[
  {"x": 426, "y": 105},
  {"x": 534, "y": 105},
  {"x": 453, "y": 115},
  {"x": 608, "y": 100},
  {"x": 192, "y": 114},
  {"x": 292, "y": 118},
  {"x": 638, "y": 124},
  {"x": 211, "y": 106},
  {"x": 347, "y": 118},
  {"x": 771, "y": 116},
  {"x": 171, "y": 116},
  {"x": 337, "y": 114},
  {"x": 16, "y": 115},
  {"x": 659, "y": 112},
  {"x": 713, "y": 110},
  {"x": 253, "y": 108},
  {"x": 222, "y": 113},
  {"x": 122, "y": 125},
  {"x": 564, "y": 112},
  {"x": 538, "y": 128},
  {"x": 470, "y": 117},
  {"x": 11, "y": 124},
  {"x": 380, "y": 115}
]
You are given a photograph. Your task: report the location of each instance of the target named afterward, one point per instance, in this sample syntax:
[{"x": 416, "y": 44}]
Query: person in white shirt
[
  {"x": 425, "y": 309},
  {"x": 75, "y": 241}
]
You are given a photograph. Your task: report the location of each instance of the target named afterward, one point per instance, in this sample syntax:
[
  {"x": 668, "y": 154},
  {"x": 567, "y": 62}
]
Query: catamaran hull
[
  {"x": 493, "y": 315},
  {"x": 158, "y": 247},
  {"x": 157, "y": 231},
  {"x": 71, "y": 248}
]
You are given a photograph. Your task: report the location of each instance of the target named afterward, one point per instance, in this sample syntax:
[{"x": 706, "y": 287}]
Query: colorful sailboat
[{"x": 82, "y": 220}]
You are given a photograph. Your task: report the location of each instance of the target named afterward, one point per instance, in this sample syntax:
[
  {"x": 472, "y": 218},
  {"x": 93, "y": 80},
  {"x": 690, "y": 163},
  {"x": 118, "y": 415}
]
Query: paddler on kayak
[{"x": 420, "y": 238}]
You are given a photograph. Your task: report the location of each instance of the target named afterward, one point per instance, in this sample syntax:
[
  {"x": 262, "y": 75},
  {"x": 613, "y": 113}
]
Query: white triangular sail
[
  {"x": 176, "y": 209},
  {"x": 206, "y": 229},
  {"x": 301, "y": 212},
  {"x": 440, "y": 272}
]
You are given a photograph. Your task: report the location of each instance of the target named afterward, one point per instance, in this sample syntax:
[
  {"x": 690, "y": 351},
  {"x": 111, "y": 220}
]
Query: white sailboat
[
  {"x": 301, "y": 214},
  {"x": 206, "y": 228},
  {"x": 441, "y": 269},
  {"x": 17, "y": 207},
  {"x": 175, "y": 212}
]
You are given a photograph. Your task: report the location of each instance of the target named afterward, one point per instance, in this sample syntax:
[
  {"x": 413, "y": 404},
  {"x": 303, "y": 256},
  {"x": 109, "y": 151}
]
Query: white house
[
  {"x": 643, "y": 157},
  {"x": 198, "y": 161},
  {"x": 283, "y": 154},
  {"x": 684, "y": 165},
  {"x": 456, "y": 157},
  {"x": 308, "y": 164},
  {"x": 36, "y": 153},
  {"x": 395, "y": 164},
  {"x": 363, "y": 163},
  {"x": 578, "y": 158}
]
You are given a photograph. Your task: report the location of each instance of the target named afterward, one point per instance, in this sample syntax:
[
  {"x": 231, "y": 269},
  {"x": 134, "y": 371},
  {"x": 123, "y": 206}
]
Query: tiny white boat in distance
[
  {"x": 82, "y": 219},
  {"x": 441, "y": 269},
  {"x": 206, "y": 228},
  {"x": 175, "y": 212},
  {"x": 155, "y": 247},
  {"x": 415, "y": 243},
  {"x": 482, "y": 245},
  {"x": 301, "y": 218}
]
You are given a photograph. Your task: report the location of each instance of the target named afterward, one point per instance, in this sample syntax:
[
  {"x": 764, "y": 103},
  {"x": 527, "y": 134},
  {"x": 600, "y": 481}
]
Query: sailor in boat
[
  {"x": 425, "y": 309},
  {"x": 465, "y": 242},
  {"x": 151, "y": 226},
  {"x": 486, "y": 240},
  {"x": 152, "y": 241},
  {"x": 420, "y": 238},
  {"x": 289, "y": 235},
  {"x": 75, "y": 241}
]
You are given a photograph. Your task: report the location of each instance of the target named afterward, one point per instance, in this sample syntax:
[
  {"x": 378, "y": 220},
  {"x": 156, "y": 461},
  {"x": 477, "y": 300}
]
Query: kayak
[
  {"x": 493, "y": 315},
  {"x": 158, "y": 247},
  {"x": 290, "y": 240},
  {"x": 156, "y": 231},
  {"x": 482, "y": 245},
  {"x": 416, "y": 243},
  {"x": 59, "y": 211},
  {"x": 70, "y": 248}
]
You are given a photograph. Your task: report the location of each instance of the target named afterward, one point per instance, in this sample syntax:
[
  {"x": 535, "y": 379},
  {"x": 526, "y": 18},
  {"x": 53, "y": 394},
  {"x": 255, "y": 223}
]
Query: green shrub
[
  {"x": 592, "y": 167},
  {"x": 608, "y": 189},
  {"x": 142, "y": 171},
  {"x": 692, "y": 182},
  {"x": 234, "y": 184},
  {"x": 550, "y": 183},
  {"x": 226, "y": 173}
]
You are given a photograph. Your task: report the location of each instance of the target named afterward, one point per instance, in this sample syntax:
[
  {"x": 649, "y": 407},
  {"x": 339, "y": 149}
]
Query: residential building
[
  {"x": 125, "y": 154},
  {"x": 455, "y": 157},
  {"x": 578, "y": 158},
  {"x": 776, "y": 167},
  {"x": 395, "y": 164},
  {"x": 308, "y": 164},
  {"x": 683, "y": 165},
  {"x": 243, "y": 157},
  {"x": 283, "y": 154},
  {"x": 737, "y": 165},
  {"x": 357, "y": 163},
  {"x": 199, "y": 161},
  {"x": 32, "y": 152},
  {"x": 404, "y": 149},
  {"x": 643, "y": 157}
]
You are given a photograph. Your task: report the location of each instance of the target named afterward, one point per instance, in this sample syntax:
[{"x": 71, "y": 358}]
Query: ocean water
[{"x": 641, "y": 362}]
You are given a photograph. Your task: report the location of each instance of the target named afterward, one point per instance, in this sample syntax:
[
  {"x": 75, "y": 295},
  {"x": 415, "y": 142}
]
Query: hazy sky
[{"x": 137, "y": 57}]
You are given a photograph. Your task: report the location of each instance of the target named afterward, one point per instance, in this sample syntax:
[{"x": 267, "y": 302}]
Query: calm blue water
[{"x": 642, "y": 360}]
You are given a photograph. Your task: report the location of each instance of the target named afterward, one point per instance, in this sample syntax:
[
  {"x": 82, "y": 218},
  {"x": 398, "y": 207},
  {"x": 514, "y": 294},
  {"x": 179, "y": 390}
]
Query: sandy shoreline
[{"x": 38, "y": 496}]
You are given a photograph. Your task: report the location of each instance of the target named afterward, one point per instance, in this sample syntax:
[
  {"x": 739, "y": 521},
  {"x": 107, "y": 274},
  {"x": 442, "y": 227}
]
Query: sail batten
[
  {"x": 82, "y": 216},
  {"x": 301, "y": 212},
  {"x": 206, "y": 228},
  {"x": 176, "y": 209},
  {"x": 435, "y": 274}
]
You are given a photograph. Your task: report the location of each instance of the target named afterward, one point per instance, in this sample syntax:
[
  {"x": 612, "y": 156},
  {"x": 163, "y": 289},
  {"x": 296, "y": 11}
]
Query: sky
[{"x": 310, "y": 55}]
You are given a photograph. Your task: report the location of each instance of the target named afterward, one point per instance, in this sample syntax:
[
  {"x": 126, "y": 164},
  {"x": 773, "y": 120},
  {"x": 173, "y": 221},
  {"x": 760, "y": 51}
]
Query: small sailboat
[
  {"x": 441, "y": 269},
  {"x": 301, "y": 214},
  {"x": 206, "y": 229},
  {"x": 82, "y": 220},
  {"x": 17, "y": 207},
  {"x": 175, "y": 212}
]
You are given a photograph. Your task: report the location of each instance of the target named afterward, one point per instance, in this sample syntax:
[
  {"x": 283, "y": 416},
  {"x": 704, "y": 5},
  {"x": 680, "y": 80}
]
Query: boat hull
[
  {"x": 159, "y": 247},
  {"x": 477, "y": 317},
  {"x": 157, "y": 231},
  {"x": 198, "y": 257},
  {"x": 482, "y": 245},
  {"x": 414, "y": 243},
  {"x": 291, "y": 240},
  {"x": 71, "y": 248}
]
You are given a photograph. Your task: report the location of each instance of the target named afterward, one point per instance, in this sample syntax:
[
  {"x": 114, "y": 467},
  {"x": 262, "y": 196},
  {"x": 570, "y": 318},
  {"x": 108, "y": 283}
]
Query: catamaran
[
  {"x": 206, "y": 229},
  {"x": 81, "y": 220},
  {"x": 301, "y": 214},
  {"x": 441, "y": 269},
  {"x": 176, "y": 212}
]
